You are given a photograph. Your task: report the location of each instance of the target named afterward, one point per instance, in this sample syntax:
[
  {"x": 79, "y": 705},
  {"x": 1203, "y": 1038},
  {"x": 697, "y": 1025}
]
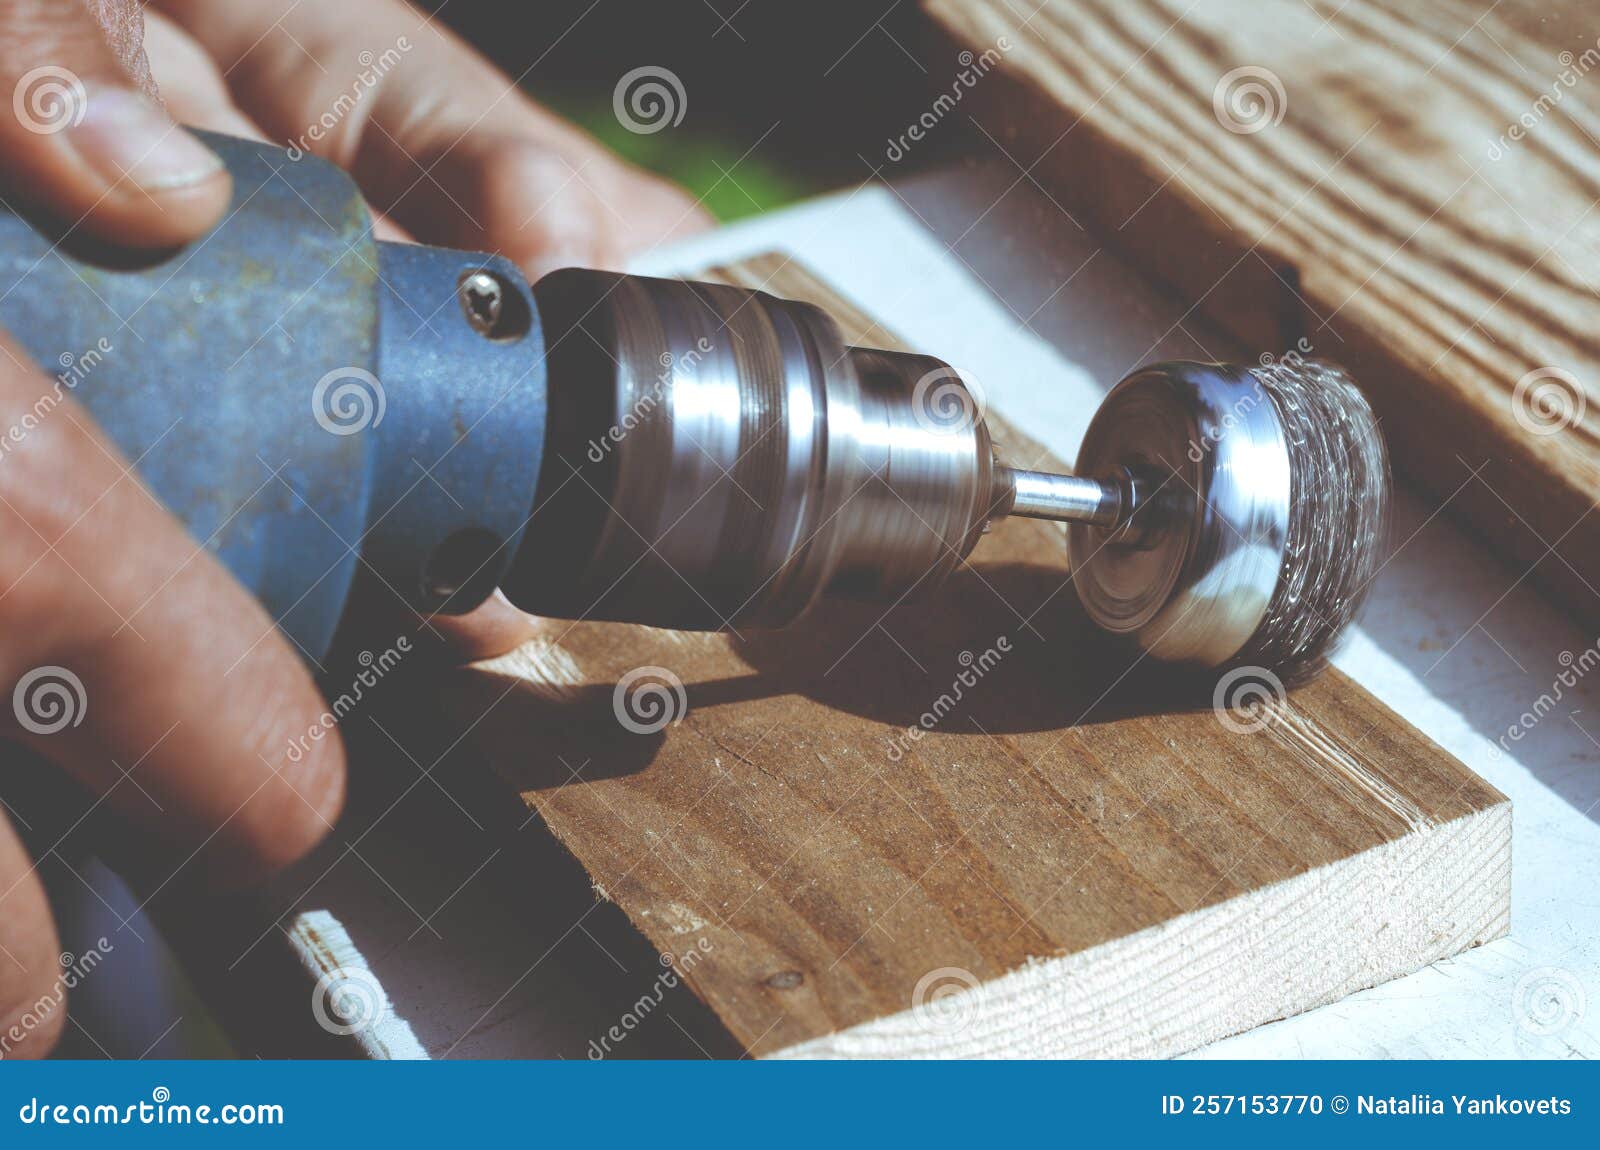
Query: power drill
[{"x": 311, "y": 401}]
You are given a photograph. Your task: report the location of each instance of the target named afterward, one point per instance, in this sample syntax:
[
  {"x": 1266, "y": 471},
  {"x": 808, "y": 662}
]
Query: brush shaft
[{"x": 1064, "y": 498}]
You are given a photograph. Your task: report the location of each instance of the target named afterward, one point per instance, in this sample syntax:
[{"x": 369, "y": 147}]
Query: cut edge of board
[{"x": 1395, "y": 908}]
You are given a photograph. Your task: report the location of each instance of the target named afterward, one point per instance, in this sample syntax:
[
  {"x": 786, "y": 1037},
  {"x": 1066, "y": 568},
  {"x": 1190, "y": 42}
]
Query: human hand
[{"x": 175, "y": 677}]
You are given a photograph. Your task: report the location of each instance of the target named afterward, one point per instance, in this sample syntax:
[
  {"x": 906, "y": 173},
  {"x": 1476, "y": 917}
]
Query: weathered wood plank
[{"x": 1408, "y": 188}]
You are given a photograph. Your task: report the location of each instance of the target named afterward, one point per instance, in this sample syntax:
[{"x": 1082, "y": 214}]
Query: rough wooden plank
[
  {"x": 1409, "y": 188},
  {"x": 1072, "y": 861}
]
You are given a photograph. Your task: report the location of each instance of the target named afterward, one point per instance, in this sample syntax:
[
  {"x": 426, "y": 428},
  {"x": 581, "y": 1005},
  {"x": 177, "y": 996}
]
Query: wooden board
[
  {"x": 1070, "y": 862},
  {"x": 1410, "y": 188}
]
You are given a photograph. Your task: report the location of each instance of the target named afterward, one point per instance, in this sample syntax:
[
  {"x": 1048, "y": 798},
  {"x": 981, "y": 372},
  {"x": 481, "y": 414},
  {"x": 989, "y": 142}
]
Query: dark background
[{"x": 786, "y": 98}]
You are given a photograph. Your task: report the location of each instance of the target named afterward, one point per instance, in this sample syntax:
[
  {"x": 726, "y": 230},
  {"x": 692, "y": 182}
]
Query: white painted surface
[
  {"x": 348, "y": 1000},
  {"x": 968, "y": 266}
]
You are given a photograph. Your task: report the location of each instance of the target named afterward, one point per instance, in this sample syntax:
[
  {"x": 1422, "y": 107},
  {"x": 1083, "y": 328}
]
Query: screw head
[{"x": 481, "y": 300}]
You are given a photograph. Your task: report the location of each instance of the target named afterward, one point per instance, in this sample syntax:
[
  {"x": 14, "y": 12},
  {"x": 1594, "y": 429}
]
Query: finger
[
  {"x": 84, "y": 144},
  {"x": 436, "y": 135},
  {"x": 493, "y": 629},
  {"x": 197, "y": 94},
  {"x": 133, "y": 660},
  {"x": 32, "y": 1000},
  {"x": 543, "y": 208},
  {"x": 190, "y": 82}
]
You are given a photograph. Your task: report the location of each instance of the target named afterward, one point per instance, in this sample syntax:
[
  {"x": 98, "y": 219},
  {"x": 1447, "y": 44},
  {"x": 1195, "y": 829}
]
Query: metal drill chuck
[{"x": 718, "y": 457}]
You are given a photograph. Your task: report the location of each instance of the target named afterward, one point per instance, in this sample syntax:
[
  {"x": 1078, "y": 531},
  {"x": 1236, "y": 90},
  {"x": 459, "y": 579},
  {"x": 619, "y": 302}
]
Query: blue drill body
[{"x": 308, "y": 400}]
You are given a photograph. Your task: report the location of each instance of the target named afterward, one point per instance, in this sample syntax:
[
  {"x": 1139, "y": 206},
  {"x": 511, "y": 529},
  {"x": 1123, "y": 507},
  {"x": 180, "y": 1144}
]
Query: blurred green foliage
[{"x": 729, "y": 183}]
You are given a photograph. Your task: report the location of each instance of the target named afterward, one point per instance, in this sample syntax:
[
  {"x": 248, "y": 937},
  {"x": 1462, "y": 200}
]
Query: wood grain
[
  {"x": 1416, "y": 199},
  {"x": 1078, "y": 858}
]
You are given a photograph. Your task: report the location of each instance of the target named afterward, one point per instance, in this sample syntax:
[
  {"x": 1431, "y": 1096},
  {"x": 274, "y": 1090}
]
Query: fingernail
[{"x": 123, "y": 135}]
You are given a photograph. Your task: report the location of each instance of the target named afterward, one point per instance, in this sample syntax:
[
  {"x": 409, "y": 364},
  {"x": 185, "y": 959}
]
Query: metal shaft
[{"x": 1063, "y": 498}]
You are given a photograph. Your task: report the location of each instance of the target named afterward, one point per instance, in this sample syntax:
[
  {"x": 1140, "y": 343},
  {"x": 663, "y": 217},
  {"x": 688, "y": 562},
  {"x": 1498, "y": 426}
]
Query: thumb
[{"x": 83, "y": 144}]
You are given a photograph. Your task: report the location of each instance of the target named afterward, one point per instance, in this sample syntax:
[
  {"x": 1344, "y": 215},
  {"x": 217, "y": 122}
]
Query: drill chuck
[{"x": 720, "y": 458}]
